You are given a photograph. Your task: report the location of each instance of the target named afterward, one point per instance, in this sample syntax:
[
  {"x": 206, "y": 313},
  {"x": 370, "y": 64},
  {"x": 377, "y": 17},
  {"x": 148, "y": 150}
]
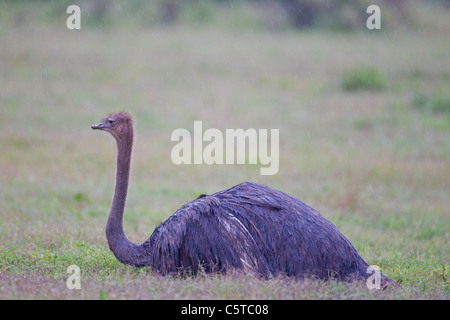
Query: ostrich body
[{"x": 248, "y": 227}]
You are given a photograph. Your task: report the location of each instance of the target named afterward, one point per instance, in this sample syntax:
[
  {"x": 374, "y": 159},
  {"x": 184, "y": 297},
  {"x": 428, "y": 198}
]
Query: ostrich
[{"x": 249, "y": 227}]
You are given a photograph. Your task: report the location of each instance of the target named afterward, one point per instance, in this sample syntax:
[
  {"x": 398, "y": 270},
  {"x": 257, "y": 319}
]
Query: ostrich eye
[{"x": 110, "y": 121}]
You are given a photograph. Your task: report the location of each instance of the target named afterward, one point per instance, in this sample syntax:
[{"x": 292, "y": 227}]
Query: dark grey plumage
[{"x": 255, "y": 228}]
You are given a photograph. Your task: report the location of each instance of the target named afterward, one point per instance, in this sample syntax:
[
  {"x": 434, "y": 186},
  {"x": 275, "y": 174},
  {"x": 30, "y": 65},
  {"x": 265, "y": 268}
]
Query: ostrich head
[{"x": 119, "y": 125}]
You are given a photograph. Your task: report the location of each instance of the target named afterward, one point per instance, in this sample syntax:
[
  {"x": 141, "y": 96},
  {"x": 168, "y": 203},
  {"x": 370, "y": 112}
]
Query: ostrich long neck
[
  {"x": 115, "y": 220},
  {"x": 125, "y": 250}
]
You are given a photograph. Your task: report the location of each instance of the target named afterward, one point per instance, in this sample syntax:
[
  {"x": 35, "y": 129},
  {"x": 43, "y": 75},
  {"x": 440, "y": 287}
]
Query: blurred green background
[{"x": 364, "y": 120}]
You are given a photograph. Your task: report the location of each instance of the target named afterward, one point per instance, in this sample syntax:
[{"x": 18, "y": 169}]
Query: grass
[
  {"x": 374, "y": 166},
  {"x": 363, "y": 79},
  {"x": 437, "y": 104}
]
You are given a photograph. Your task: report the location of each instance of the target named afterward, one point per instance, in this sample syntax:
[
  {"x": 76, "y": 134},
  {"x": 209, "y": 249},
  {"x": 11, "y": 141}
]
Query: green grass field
[{"x": 375, "y": 162}]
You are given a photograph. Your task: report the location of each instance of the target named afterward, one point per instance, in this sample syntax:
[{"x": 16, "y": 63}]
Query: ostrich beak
[{"x": 97, "y": 126}]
